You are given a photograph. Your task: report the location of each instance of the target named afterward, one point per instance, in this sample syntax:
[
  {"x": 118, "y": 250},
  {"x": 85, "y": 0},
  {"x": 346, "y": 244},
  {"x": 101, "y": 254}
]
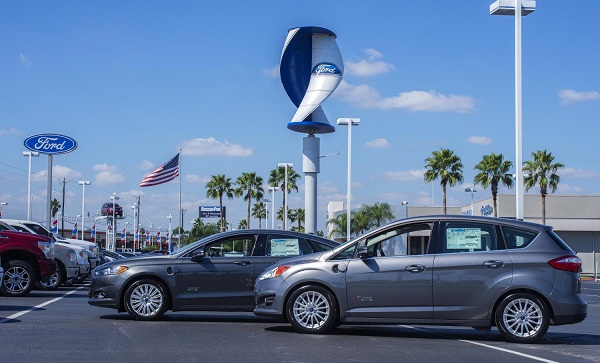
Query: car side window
[
  {"x": 517, "y": 238},
  {"x": 401, "y": 241},
  {"x": 287, "y": 246},
  {"x": 469, "y": 237},
  {"x": 320, "y": 247},
  {"x": 232, "y": 247}
]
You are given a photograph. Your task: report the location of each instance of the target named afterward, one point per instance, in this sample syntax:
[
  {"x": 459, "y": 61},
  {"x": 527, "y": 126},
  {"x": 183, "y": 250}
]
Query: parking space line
[
  {"x": 540, "y": 359},
  {"x": 20, "y": 313}
]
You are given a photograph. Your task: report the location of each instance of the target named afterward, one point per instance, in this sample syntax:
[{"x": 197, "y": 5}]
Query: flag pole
[{"x": 180, "y": 212}]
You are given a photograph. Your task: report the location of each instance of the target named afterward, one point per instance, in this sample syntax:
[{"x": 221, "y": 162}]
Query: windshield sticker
[
  {"x": 463, "y": 238},
  {"x": 285, "y": 247}
]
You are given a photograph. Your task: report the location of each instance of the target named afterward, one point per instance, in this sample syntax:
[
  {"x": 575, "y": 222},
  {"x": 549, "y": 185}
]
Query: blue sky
[{"x": 134, "y": 81}]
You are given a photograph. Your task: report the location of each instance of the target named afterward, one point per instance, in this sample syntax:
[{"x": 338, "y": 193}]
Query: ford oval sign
[{"x": 50, "y": 144}]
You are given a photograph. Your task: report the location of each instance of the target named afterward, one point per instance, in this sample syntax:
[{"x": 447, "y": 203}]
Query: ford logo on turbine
[{"x": 50, "y": 143}]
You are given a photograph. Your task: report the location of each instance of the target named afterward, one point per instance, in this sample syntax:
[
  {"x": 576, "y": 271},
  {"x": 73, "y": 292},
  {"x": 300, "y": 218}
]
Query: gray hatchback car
[
  {"x": 214, "y": 273},
  {"x": 435, "y": 270}
]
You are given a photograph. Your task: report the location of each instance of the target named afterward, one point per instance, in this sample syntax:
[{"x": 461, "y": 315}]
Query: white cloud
[
  {"x": 479, "y": 140},
  {"x": 9, "y": 132},
  {"x": 146, "y": 165},
  {"x": 58, "y": 172},
  {"x": 196, "y": 179},
  {"x": 25, "y": 60},
  {"x": 578, "y": 173},
  {"x": 272, "y": 72},
  {"x": 364, "y": 96},
  {"x": 211, "y": 146},
  {"x": 567, "y": 189},
  {"x": 405, "y": 175},
  {"x": 379, "y": 143},
  {"x": 107, "y": 175},
  {"x": 368, "y": 67},
  {"x": 569, "y": 96}
]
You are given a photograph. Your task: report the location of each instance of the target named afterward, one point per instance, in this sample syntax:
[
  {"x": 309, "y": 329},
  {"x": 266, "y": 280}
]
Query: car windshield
[{"x": 192, "y": 246}]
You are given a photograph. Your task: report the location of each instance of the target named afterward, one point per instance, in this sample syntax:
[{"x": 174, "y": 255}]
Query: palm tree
[
  {"x": 378, "y": 214},
  {"x": 54, "y": 206},
  {"x": 280, "y": 214},
  {"x": 251, "y": 184},
  {"x": 339, "y": 226},
  {"x": 493, "y": 170},
  {"x": 540, "y": 171},
  {"x": 217, "y": 187},
  {"x": 259, "y": 211},
  {"x": 297, "y": 215},
  {"x": 277, "y": 179},
  {"x": 446, "y": 166},
  {"x": 243, "y": 224}
]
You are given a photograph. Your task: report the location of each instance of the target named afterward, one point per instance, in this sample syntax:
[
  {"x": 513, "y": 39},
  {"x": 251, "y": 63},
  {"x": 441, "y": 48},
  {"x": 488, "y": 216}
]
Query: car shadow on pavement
[
  {"x": 200, "y": 318},
  {"x": 447, "y": 333}
]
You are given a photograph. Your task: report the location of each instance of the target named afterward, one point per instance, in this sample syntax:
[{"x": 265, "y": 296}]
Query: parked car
[
  {"x": 107, "y": 210},
  {"x": 65, "y": 255},
  {"x": 441, "y": 270},
  {"x": 26, "y": 259},
  {"x": 214, "y": 273}
]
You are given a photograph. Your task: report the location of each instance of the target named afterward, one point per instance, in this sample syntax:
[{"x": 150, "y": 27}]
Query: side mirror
[
  {"x": 198, "y": 256},
  {"x": 363, "y": 252}
]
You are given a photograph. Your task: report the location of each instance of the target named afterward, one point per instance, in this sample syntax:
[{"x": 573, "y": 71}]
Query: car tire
[
  {"x": 146, "y": 300},
  {"x": 312, "y": 310},
  {"x": 522, "y": 318},
  {"x": 19, "y": 278},
  {"x": 55, "y": 281}
]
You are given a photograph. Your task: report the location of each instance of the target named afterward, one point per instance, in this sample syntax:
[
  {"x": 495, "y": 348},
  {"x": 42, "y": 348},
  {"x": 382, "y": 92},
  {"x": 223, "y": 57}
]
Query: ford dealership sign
[{"x": 50, "y": 144}]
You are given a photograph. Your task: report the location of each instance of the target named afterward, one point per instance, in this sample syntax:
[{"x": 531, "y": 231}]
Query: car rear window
[{"x": 517, "y": 238}]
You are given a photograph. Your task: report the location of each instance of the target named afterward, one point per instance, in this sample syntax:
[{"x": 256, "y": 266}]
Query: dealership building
[{"x": 576, "y": 219}]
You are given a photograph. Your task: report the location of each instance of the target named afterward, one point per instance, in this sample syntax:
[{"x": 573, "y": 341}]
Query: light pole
[
  {"x": 272, "y": 190},
  {"x": 508, "y": 7},
  {"x": 169, "y": 217},
  {"x": 83, "y": 183},
  {"x": 472, "y": 190},
  {"x": 348, "y": 122},
  {"x": 265, "y": 201},
  {"x": 285, "y": 190},
  {"x": 112, "y": 242},
  {"x": 29, "y": 154},
  {"x": 405, "y": 204}
]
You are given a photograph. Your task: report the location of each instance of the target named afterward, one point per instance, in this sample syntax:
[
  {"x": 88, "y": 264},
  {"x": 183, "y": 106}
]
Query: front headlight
[
  {"x": 71, "y": 256},
  {"x": 274, "y": 272},
  {"x": 111, "y": 270},
  {"x": 47, "y": 248}
]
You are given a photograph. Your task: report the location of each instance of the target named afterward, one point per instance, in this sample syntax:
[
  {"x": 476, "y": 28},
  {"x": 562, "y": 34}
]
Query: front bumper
[
  {"x": 269, "y": 298},
  {"x": 47, "y": 267},
  {"x": 83, "y": 270},
  {"x": 72, "y": 272},
  {"x": 104, "y": 292}
]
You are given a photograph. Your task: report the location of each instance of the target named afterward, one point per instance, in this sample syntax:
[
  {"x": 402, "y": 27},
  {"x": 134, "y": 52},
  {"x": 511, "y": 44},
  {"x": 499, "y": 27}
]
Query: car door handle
[
  {"x": 242, "y": 263},
  {"x": 493, "y": 264},
  {"x": 415, "y": 268}
]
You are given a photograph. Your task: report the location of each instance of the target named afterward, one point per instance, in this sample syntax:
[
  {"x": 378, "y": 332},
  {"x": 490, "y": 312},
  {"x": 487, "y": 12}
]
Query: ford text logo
[
  {"x": 326, "y": 68},
  {"x": 50, "y": 143}
]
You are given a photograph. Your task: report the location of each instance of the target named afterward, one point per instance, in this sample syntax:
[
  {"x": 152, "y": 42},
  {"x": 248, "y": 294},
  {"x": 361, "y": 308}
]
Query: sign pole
[{"x": 49, "y": 195}]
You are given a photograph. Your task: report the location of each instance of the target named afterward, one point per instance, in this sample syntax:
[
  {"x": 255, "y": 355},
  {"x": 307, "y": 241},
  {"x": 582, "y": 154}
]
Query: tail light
[{"x": 566, "y": 263}]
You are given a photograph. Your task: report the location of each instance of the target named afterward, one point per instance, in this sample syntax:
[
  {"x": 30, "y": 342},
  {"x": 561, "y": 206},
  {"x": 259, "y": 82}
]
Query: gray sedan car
[
  {"x": 215, "y": 273},
  {"x": 435, "y": 270}
]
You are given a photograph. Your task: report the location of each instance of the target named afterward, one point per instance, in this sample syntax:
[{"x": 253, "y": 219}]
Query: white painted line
[
  {"x": 539, "y": 359},
  {"x": 20, "y": 313}
]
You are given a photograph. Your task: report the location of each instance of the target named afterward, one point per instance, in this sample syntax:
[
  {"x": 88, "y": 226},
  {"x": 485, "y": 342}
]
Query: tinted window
[
  {"x": 402, "y": 241},
  {"x": 320, "y": 247},
  {"x": 562, "y": 244},
  {"x": 468, "y": 237},
  {"x": 517, "y": 238},
  {"x": 37, "y": 229},
  {"x": 280, "y": 245},
  {"x": 232, "y": 247}
]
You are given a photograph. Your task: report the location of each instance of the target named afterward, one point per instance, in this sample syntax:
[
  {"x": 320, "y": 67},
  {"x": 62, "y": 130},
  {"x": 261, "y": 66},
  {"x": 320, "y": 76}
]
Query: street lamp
[
  {"x": 508, "y": 7},
  {"x": 472, "y": 190},
  {"x": 405, "y": 203},
  {"x": 348, "y": 122},
  {"x": 113, "y": 233},
  {"x": 265, "y": 201},
  {"x": 29, "y": 154},
  {"x": 83, "y": 183},
  {"x": 285, "y": 190},
  {"x": 272, "y": 190}
]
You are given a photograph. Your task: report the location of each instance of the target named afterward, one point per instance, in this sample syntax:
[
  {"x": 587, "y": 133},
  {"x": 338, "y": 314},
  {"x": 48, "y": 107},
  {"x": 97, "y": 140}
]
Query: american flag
[
  {"x": 93, "y": 234},
  {"x": 74, "y": 232},
  {"x": 163, "y": 173},
  {"x": 55, "y": 226}
]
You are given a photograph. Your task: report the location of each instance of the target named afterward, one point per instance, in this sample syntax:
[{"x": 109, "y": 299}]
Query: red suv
[{"x": 107, "y": 210}]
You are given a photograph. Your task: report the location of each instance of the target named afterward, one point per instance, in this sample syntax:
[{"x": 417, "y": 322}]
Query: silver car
[{"x": 435, "y": 270}]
